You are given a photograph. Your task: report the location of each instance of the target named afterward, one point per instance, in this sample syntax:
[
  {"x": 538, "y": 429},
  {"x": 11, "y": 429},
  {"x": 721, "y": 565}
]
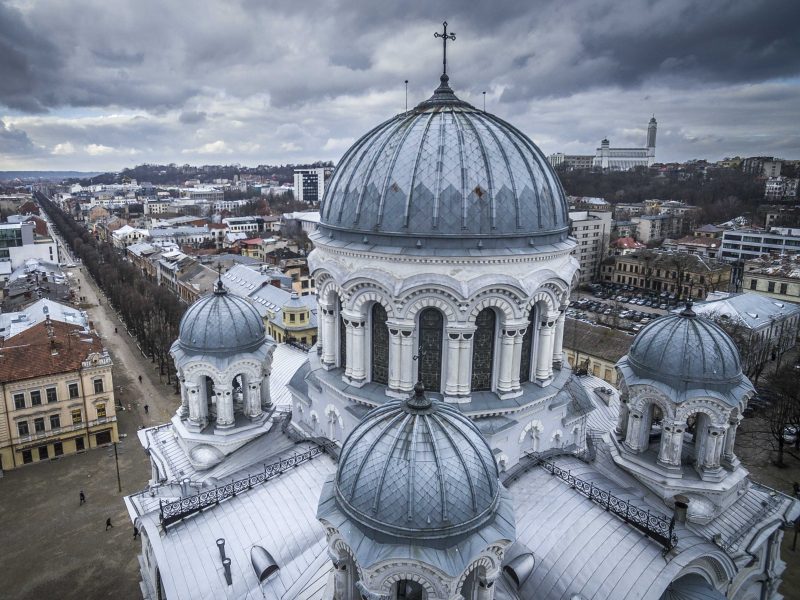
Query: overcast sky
[{"x": 104, "y": 84}]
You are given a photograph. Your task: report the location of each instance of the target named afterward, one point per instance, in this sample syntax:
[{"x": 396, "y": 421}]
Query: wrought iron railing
[
  {"x": 172, "y": 512},
  {"x": 656, "y": 527}
]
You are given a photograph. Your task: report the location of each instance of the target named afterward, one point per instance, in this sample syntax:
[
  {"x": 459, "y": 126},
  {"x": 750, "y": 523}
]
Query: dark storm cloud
[
  {"x": 190, "y": 117},
  {"x": 14, "y": 141}
]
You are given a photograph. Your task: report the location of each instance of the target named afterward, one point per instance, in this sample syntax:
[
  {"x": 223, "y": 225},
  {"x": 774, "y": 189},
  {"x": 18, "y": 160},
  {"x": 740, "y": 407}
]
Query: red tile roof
[{"x": 32, "y": 353}]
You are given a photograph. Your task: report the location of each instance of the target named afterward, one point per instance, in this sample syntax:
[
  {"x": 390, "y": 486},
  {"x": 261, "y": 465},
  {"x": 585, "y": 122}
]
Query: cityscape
[{"x": 511, "y": 314}]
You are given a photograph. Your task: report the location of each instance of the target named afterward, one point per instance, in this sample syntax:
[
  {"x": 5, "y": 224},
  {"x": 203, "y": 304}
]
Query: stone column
[
  {"x": 634, "y": 433},
  {"x": 730, "y": 440},
  {"x": 225, "y": 417},
  {"x": 394, "y": 358},
  {"x": 715, "y": 435},
  {"x": 348, "y": 367},
  {"x": 485, "y": 589},
  {"x": 252, "y": 405},
  {"x": 544, "y": 357},
  {"x": 622, "y": 421},
  {"x": 263, "y": 390},
  {"x": 184, "y": 410},
  {"x": 359, "y": 371},
  {"x": 517, "y": 361},
  {"x": 669, "y": 452},
  {"x": 197, "y": 404},
  {"x": 408, "y": 375},
  {"x": 340, "y": 580},
  {"x": 505, "y": 376},
  {"x": 464, "y": 363},
  {"x": 328, "y": 335},
  {"x": 558, "y": 342},
  {"x": 451, "y": 389}
]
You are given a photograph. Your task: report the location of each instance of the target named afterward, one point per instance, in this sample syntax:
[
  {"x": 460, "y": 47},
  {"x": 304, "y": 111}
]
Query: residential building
[
  {"x": 588, "y": 203},
  {"x": 309, "y": 184},
  {"x": 287, "y": 315},
  {"x": 776, "y": 276},
  {"x": 623, "y": 228},
  {"x": 572, "y": 161},
  {"x": 690, "y": 244},
  {"x": 19, "y": 243},
  {"x": 654, "y": 228},
  {"x": 57, "y": 394},
  {"x": 780, "y": 188},
  {"x": 12, "y": 323},
  {"x": 623, "y": 159},
  {"x": 625, "y": 245},
  {"x": 762, "y": 327},
  {"x": 684, "y": 275},
  {"x": 771, "y": 168},
  {"x": 746, "y": 244},
  {"x": 595, "y": 349},
  {"x": 307, "y": 221},
  {"x": 243, "y": 224},
  {"x": 203, "y": 194},
  {"x": 592, "y": 231}
]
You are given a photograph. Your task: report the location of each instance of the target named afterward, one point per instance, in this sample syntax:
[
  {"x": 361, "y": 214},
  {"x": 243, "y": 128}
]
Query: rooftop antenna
[
  {"x": 406, "y": 95},
  {"x": 445, "y": 36},
  {"x": 484, "y": 101}
]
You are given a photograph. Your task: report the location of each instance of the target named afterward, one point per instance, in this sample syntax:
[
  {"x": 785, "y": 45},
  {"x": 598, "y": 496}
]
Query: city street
[{"x": 54, "y": 547}]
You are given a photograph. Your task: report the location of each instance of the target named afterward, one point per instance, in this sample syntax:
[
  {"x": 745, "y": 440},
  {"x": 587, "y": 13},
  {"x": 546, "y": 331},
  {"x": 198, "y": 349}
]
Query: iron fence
[
  {"x": 656, "y": 527},
  {"x": 172, "y": 512}
]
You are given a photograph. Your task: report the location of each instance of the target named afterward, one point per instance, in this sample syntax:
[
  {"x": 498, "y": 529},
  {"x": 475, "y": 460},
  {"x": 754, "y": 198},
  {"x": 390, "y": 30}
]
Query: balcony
[{"x": 39, "y": 435}]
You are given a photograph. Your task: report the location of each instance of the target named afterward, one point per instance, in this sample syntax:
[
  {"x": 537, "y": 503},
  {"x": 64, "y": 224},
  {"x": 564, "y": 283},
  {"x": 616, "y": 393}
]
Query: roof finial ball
[
  {"x": 688, "y": 312},
  {"x": 418, "y": 400}
]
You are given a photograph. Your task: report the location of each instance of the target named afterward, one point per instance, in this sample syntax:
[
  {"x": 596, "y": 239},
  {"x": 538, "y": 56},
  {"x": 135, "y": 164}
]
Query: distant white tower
[{"x": 651, "y": 141}]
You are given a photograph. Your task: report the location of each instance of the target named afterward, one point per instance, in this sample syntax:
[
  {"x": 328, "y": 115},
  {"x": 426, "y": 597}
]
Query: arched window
[
  {"x": 527, "y": 348},
  {"x": 483, "y": 350},
  {"x": 380, "y": 345},
  {"x": 429, "y": 349},
  {"x": 342, "y": 336}
]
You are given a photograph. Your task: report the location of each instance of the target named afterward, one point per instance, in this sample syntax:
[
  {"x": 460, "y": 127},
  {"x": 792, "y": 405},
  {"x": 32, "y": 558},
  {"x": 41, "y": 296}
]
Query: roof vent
[
  {"x": 520, "y": 568},
  {"x": 263, "y": 563}
]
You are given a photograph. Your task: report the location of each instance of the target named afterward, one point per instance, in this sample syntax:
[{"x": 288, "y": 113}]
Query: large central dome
[{"x": 445, "y": 175}]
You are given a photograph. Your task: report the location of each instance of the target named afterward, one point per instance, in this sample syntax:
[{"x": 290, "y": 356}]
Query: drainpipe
[{"x": 8, "y": 427}]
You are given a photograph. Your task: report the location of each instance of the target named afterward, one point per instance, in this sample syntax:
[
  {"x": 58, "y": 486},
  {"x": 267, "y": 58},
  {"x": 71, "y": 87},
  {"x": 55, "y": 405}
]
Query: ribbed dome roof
[
  {"x": 685, "y": 348},
  {"x": 221, "y": 323},
  {"x": 417, "y": 469},
  {"x": 445, "y": 175}
]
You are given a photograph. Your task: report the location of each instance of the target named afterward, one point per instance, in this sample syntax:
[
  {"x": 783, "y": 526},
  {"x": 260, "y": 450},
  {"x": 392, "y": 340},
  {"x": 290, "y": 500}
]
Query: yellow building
[
  {"x": 595, "y": 349},
  {"x": 57, "y": 394},
  {"x": 295, "y": 322}
]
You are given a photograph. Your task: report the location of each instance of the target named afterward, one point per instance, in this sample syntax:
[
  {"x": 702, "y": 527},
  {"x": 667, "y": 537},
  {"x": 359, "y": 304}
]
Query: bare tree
[{"x": 783, "y": 411}]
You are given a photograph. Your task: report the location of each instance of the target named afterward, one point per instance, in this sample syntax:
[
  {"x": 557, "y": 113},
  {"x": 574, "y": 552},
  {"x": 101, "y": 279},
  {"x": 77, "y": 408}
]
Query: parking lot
[{"x": 621, "y": 307}]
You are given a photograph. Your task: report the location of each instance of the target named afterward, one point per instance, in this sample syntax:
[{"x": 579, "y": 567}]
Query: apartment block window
[
  {"x": 753, "y": 284},
  {"x": 73, "y": 390},
  {"x": 22, "y": 427},
  {"x": 77, "y": 418},
  {"x": 52, "y": 395},
  {"x": 98, "y": 386},
  {"x": 79, "y": 444},
  {"x": 38, "y": 425},
  {"x": 55, "y": 421},
  {"x": 36, "y": 398},
  {"x": 784, "y": 288},
  {"x": 43, "y": 455},
  {"x": 19, "y": 401},
  {"x": 771, "y": 286},
  {"x": 101, "y": 411},
  {"x": 27, "y": 457},
  {"x": 58, "y": 449}
]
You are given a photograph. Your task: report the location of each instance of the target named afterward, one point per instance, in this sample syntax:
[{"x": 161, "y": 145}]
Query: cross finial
[
  {"x": 220, "y": 288},
  {"x": 445, "y": 36}
]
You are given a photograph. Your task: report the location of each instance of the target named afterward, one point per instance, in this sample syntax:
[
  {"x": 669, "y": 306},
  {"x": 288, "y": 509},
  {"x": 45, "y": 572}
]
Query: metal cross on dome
[{"x": 445, "y": 36}]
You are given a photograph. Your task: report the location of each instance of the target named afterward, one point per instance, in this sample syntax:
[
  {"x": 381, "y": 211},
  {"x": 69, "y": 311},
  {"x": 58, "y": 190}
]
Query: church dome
[
  {"x": 685, "y": 348},
  {"x": 417, "y": 469},
  {"x": 445, "y": 175},
  {"x": 221, "y": 323}
]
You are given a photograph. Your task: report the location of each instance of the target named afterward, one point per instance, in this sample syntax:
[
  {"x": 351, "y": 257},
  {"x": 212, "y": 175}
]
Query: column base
[
  {"x": 673, "y": 471},
  {"x": 557, "y": 365},
  {"x": 509, "y": 394},
  {"x": 195, "y": 426},
  {"x": 328, "y": 366},
  {"x": 451, "y": 399},
  {"x": 354, "y": 382},
  {"x": 731, "y": 463},
  {"x": 395, "y": 393},
  {"x": 544, "y": 382},
  {"x": 714, "y": 474},
  {"x": 225, "y": 425}
]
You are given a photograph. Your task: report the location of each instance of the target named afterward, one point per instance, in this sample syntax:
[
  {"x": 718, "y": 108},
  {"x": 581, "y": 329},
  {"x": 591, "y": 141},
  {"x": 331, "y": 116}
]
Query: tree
[{"x": 783, "y": 410}]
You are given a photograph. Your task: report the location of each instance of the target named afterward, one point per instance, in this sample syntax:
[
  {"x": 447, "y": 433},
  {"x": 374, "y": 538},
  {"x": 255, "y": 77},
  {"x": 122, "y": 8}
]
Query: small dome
[
  {"x": 685, "y": 348},
  {"x": 445, "y": 175},
  {"x": 417, "y": 469},
  {"x": 221, "y": 322}
]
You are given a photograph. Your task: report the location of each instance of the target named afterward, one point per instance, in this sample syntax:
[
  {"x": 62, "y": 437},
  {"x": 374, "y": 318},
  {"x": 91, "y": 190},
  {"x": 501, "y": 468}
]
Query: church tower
[{"x": 651, "y": 141}]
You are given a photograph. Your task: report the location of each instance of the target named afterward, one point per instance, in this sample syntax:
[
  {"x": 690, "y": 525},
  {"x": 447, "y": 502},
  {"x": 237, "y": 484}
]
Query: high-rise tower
[{"x": 651, "y": 141}]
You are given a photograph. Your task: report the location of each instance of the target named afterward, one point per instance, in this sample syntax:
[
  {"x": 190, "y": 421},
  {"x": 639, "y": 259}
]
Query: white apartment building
[
  {"x": 19, "y": 242},
  {"x": 309, "y": 184},
  {"x": 746, "y": 244},
  {"x": 592, "y": 231}
]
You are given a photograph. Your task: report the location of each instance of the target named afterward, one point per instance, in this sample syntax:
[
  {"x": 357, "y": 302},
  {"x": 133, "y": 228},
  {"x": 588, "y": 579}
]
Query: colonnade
[
  {"x": 713, "y": 444},
  {"x": 457, "y": 349},
  {"x": 196, "y": 399}
]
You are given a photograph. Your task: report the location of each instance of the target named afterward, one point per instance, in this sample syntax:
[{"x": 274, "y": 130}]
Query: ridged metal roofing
[
  {"x": 221, "y": 323},
  {"x": 681, "y": 348},
  {"x": 445, "y": 175},
  {"x": 417, "y": 469}
]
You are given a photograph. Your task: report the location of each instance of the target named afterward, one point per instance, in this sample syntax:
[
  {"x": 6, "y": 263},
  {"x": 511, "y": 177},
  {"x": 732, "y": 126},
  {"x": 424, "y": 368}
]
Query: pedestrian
[
  {"x": 83, "y": 499},
  {"x": 135, "y": 532},
  {"x": 108, "y": 524},
  {"x": 146, "y": 409},
  {"x": 115, "y": 330},
  {"x": 140, "y": 379}
]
